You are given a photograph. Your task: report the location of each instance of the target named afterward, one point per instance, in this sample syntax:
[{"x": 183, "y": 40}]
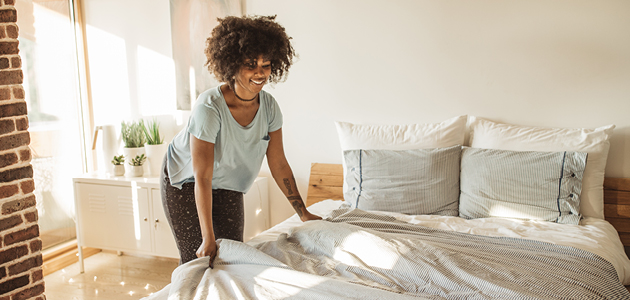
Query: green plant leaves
[
  {"x": 132, "y": 134},
  {"x": 118, "y": 160},
  {"x": 152, "y": 132},
  {"x": 138, "y": 160}
]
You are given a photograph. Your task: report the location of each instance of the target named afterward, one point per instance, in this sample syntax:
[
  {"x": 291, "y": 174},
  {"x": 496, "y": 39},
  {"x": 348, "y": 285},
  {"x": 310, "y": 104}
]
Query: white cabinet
[
  {"x": 114, "y": 217},
  {"x": 126, "y": 214},
  {"x": 162, "y": 231}
]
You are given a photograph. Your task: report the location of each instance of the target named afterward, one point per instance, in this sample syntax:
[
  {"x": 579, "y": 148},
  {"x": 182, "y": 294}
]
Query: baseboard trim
[{"x": 61, "y": 256}]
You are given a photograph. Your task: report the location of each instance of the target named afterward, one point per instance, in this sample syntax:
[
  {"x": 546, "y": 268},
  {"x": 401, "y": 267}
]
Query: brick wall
[{"x": 21, "y": 275}]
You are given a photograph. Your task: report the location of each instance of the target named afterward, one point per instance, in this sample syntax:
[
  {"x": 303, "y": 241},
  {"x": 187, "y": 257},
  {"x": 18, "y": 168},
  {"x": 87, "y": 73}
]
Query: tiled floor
[{"x": 109, "y": 276}]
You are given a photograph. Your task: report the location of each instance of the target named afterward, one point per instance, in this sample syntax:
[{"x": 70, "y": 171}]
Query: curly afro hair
[{"x": 237, "y": 39}]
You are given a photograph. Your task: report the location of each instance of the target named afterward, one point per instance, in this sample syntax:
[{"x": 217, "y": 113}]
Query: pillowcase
[
  {"x": 415, "y": 182},
  {"x": 448, "y": 133},
  {"x": 521, "y": 184},
  {"x": 596, "y": 142},
  {"x": 402, "y": 137}
]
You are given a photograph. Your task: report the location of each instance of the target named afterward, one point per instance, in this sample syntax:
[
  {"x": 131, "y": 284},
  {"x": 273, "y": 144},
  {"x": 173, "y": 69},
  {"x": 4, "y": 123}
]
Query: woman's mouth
[{"x": 258, "y": 82}]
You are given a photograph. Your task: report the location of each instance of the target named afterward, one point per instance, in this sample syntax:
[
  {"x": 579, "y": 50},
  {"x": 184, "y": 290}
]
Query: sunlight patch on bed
[
  {"x": 297, "y": 283},
  {"x": 498, "y": 210},
  {"x": 363, "y": 248},
  {"x": 236, "y": 290}
]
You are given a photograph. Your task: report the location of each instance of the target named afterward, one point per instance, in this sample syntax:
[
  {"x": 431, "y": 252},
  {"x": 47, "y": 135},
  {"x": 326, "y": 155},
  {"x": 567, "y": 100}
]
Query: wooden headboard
[
  {"x": 617, "y": 207},
  {"x": 326, "y": 182}
]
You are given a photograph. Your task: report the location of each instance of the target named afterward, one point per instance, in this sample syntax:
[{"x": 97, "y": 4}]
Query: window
[{"x": 48, "y": 52}]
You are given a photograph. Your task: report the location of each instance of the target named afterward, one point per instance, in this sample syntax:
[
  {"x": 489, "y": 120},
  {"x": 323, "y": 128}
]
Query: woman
[{"x": 217, "y": 156}]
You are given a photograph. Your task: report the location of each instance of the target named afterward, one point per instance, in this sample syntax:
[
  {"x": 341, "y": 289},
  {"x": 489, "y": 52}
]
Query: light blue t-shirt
[{"x": 238, "y": 150}]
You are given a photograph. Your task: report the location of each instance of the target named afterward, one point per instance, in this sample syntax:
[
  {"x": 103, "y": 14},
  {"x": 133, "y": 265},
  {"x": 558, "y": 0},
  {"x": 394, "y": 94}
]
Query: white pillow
[
  {"x": 448, "y": 133},
  {"x": 494, "y": 135}
]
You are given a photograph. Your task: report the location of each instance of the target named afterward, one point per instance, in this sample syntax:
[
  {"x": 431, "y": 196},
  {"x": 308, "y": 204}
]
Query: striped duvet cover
[{"x": 354, "y": 254}]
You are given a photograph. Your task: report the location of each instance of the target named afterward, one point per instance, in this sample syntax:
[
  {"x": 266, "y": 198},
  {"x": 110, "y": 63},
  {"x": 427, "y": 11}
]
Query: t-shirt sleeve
[
  {"x": 205, "y": 123},
  {"x": 275, "y": 116}
]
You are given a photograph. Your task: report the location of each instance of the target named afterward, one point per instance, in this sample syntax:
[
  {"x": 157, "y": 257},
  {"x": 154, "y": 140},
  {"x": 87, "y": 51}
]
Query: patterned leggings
[{"x": 181, "y": 211}]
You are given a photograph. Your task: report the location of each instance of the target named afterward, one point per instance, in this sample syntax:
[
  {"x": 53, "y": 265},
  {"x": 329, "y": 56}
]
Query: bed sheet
[{"x": 594, "y": 235}]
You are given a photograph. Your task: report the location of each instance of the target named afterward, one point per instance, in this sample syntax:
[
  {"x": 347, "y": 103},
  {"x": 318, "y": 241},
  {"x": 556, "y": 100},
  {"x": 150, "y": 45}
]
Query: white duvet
[{"x": 593, "y": 235}]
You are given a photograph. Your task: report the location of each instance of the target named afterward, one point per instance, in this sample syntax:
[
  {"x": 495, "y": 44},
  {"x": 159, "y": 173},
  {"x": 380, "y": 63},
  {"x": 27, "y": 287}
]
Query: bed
[{"x": 369, "y": 246}]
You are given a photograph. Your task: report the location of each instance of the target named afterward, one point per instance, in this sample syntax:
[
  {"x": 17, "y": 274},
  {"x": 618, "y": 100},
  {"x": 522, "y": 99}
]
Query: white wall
[
  {"x": 534, "y": 62},
  {"x": 130, "y": 62},
  {"x": 530, "y": 62}
]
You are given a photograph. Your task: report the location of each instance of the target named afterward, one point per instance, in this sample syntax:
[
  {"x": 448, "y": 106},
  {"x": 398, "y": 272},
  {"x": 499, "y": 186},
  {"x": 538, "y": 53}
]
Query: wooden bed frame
[{"x": 326, "y": 182}]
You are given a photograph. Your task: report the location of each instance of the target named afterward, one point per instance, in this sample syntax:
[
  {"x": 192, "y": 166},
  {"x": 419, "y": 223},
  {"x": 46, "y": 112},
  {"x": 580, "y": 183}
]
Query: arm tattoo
[
  {"x": 297, "y": 205},
  {"x": 287, "y": 184}
]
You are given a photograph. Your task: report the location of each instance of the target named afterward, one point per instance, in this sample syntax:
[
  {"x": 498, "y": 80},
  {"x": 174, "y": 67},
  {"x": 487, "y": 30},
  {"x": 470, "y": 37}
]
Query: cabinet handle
[
  {"x": 156, "y": 223},
  {"x": 146, "y": 219}
]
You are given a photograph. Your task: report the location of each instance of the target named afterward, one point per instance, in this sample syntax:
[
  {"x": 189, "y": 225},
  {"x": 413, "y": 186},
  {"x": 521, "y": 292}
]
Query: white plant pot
[
  {"x": 137, "y": 171},
  {"x": 119, "y": 170},
  {"x": 155, "y": 155},
  {"x": 131, "y": 153}
]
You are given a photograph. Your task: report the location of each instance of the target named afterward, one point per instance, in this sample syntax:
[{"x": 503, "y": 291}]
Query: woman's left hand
[{"x": 309, "y": 217}]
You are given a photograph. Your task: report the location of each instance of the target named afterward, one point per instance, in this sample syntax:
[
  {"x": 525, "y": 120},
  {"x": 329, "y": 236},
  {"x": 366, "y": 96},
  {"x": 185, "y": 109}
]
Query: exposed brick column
[{"x": 21, "y": 275}]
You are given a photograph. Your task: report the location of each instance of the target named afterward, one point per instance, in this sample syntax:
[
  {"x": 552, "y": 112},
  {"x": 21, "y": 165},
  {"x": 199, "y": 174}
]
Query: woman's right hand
[{"x": 208, "y": 247}]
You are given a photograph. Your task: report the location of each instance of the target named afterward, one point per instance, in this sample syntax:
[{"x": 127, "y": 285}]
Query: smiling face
[{"x": 251, "y": 77}]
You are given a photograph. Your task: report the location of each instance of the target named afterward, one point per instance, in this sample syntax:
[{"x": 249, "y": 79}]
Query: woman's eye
[{"x": 254, "y": 65}]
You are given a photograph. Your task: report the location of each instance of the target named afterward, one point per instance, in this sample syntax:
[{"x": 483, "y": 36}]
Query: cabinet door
[
  {"x": 113, "y": 217},
  {"x": 164, "y": 240}
]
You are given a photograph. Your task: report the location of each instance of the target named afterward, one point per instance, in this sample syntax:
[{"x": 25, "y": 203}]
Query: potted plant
[
  {"x": 119, "y": 167},
  {"x": 155, "y": 147},
  {"x": 133, "y": 138},
  {"x": 136, "y": 165}
]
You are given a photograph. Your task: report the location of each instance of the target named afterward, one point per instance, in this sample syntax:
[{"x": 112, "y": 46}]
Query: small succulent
[
  {"x": 118, "y": 160},
  {"x": 138, "y": 160}
]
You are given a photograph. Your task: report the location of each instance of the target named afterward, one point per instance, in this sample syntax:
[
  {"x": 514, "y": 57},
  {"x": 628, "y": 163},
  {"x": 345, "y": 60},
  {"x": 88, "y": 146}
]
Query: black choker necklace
[{"x": 246, "y": 100}]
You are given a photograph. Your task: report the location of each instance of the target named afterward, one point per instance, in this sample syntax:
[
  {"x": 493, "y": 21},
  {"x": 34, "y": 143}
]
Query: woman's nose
[{"x": 260, "y": 70}]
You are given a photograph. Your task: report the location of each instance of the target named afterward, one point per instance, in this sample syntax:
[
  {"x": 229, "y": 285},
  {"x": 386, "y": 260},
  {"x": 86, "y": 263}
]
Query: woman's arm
[
  {"x": 202, "y": 153},
  {"x": 283, "y": 175}
]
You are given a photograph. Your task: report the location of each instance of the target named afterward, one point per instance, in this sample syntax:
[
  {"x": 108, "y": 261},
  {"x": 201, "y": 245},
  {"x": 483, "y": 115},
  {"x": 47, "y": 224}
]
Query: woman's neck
[
  {"x": 233, "y": 99},
  {"x": 242, "y": 99}
]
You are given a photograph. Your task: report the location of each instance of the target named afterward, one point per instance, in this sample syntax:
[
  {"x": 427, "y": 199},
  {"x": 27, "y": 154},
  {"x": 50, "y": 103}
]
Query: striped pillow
[
  {"x": 421, "y": 181},
  {"x": 521, "y": 184},
  {"x": 596, "y": 142}
]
